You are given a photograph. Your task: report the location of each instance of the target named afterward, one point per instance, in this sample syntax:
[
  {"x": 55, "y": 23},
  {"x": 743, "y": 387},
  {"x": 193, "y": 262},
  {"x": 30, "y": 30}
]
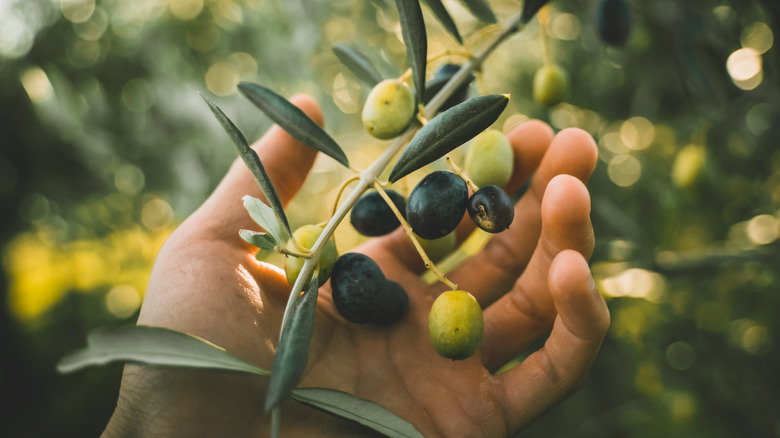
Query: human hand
[{"x": 530, "y": 280}]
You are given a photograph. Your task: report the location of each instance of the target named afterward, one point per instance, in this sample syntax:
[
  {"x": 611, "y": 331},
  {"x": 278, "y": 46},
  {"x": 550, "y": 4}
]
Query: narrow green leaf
[
  {"x": 159, "y": 346},
  {"x": 265, "y": 217},
  {"x": 293, "y": 352},
  {"x": 530, "y": 8},
  {"x": 416, "y": 41},
  {"x": 441, "y": 13},
  {"x": 260, "y": 240},
  {"x": 481, "y": 9},
  {"x": 447, "y": 131},
  {"x": 360, "y": 410},
  {"x": 357, "y": 63},
  {"x": 293, "y": 120},
  {"x": 252, "y": 161}
]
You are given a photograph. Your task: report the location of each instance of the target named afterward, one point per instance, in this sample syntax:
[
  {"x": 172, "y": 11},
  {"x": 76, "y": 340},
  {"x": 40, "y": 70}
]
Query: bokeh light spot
[
  {"x": 624, "y": 170},
  {"x": 138, "y": 95},
  {"x": 36, "y": 84},
  {"x": 123, "y": 301},
  {"x": 758, "y": 36},
  {"x": 185, "y": 9},
  {"x": 129, "y": 179},
  {"x": 222, "y": 79},
  {"x": 745, "y": 68},
  {"x": 156, "y": 214},
  {"x": 77, "y": 11},
  {"x": 564, "y": 26},
  {"x": 762, "y": 229},
  {"x": 680, "y": 355}
]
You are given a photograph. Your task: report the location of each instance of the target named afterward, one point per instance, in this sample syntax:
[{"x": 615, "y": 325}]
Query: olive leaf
[
  {"x": 293, "y": 352},
  {"x": 447, "y": 131},
  {"x": 265, "y": 217},
  {"x": 293, "y": 120},
  {"x": 357, "y": 63},
  {"x": 441, "y": 14},
  {"x": 416, "y": 41},
  {"x": 481, "y": 10},
  {"x": 260, "y": 240},
  {"x": 148, "y": 345},
  {"x": 530, "y": 8},
  {"x": 252, "y": 161},
  {"x": 360, "y": 410}
]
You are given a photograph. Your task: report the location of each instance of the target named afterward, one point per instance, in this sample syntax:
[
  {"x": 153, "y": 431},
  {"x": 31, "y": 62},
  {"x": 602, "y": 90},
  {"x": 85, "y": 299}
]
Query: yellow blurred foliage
[{"x": 42, "y": 273}]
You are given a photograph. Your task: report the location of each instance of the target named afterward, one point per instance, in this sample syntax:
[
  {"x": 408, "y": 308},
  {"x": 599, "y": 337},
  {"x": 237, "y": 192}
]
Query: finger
[
  {"x": 287, "y": 162},
  {"x": 493, "y": 271},
  {"x": 527, "y": 311},
  {"x": 529, "y": 140},
  {"x": 553, "y": 372}
]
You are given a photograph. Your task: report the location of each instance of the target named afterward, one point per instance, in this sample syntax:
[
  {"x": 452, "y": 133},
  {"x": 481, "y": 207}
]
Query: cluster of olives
[{"x": 434, "y": 208}]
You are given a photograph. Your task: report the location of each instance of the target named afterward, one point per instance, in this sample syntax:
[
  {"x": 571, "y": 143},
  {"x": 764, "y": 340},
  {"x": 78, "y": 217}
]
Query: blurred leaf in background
[{"x": 106, "y": 146}]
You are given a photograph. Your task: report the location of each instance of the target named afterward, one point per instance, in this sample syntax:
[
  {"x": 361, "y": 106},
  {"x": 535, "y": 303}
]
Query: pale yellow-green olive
[
  {"x": 306, "y": 236},
  {"x": 437, "y": 249},
  {"x": 388, "y": 109},
  {"x": 455, "y": 325},
  {"x": 550, "y": 85},
  {"x": 489, "y": 159}
]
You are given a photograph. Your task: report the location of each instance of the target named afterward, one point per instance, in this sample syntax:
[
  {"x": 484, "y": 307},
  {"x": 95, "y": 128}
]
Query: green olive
[
  {"x": 388, "y": 109},
  {"x": 437, "y": 249},
  {"x": 455, "y": 325},
  {"x": 306, "y": 236},
  {"x": 489, "y": 159},
  {"x": 550, "y": 85}
]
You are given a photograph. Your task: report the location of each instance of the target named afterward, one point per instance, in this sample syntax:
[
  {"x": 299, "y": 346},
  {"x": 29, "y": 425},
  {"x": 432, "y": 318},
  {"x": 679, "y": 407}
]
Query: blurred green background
[{"x": 105, "y": 146}]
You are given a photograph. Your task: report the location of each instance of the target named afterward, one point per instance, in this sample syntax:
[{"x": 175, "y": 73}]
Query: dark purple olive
[
  {"x": 371, "y": 216},
  {"x": 491, "y": 209},
  {"x": 363, "y": 295},
  {"x": 437, "y": 204}
]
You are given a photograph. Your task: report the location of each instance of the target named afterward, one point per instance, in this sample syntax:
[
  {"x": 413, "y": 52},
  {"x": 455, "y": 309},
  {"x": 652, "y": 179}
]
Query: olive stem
[
  {"x": 543, "y": 16},
  {"x": 458, "y": 171},
  {"x": 291, "y": 252},
  {"x": 410, "y": 233},
  {"x": 370, "y": 174}
]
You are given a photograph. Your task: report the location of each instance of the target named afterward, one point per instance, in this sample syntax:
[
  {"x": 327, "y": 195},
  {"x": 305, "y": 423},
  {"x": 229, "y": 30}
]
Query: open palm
[{"x": 531, "y": 280}]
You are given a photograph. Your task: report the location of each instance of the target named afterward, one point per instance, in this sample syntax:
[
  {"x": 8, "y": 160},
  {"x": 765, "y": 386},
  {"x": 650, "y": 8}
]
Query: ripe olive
[
  {"x": 306, "y": 236},
  {"x": 489, "y": 159},
  {"x": 442, "y": 75},
  {"x": 388, "y": 109},
  {"x": 491, "y": 209},
  {"x": 550, "y": 85},
  {"x": 437, "y": 249},
  {"x": 455, "y": 325},
  {"x": 436, "y": 205},
  {"x": 613, "y": 21},
  {"x": 371, "y": 216},
  {"x": 363, "y": 295}
]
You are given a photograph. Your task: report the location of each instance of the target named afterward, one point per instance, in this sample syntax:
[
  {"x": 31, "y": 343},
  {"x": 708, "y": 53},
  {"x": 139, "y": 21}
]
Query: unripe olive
[
  {"x": 613, "y": 21},
  {"x": 306, "y": 236},
  {"x": 489, "y": 159},
  {"x": 550, "y": 85},
  {"x": 455, "y": 325},
  {"x": 371, "y": 216},
  {"x": 388, "y": 109},
  {"x": 437, "y": 204},
  {"x": 491, "y": 209},
  {"x": 362, "y": 294},
  {"x": 437, "y": 249}
]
